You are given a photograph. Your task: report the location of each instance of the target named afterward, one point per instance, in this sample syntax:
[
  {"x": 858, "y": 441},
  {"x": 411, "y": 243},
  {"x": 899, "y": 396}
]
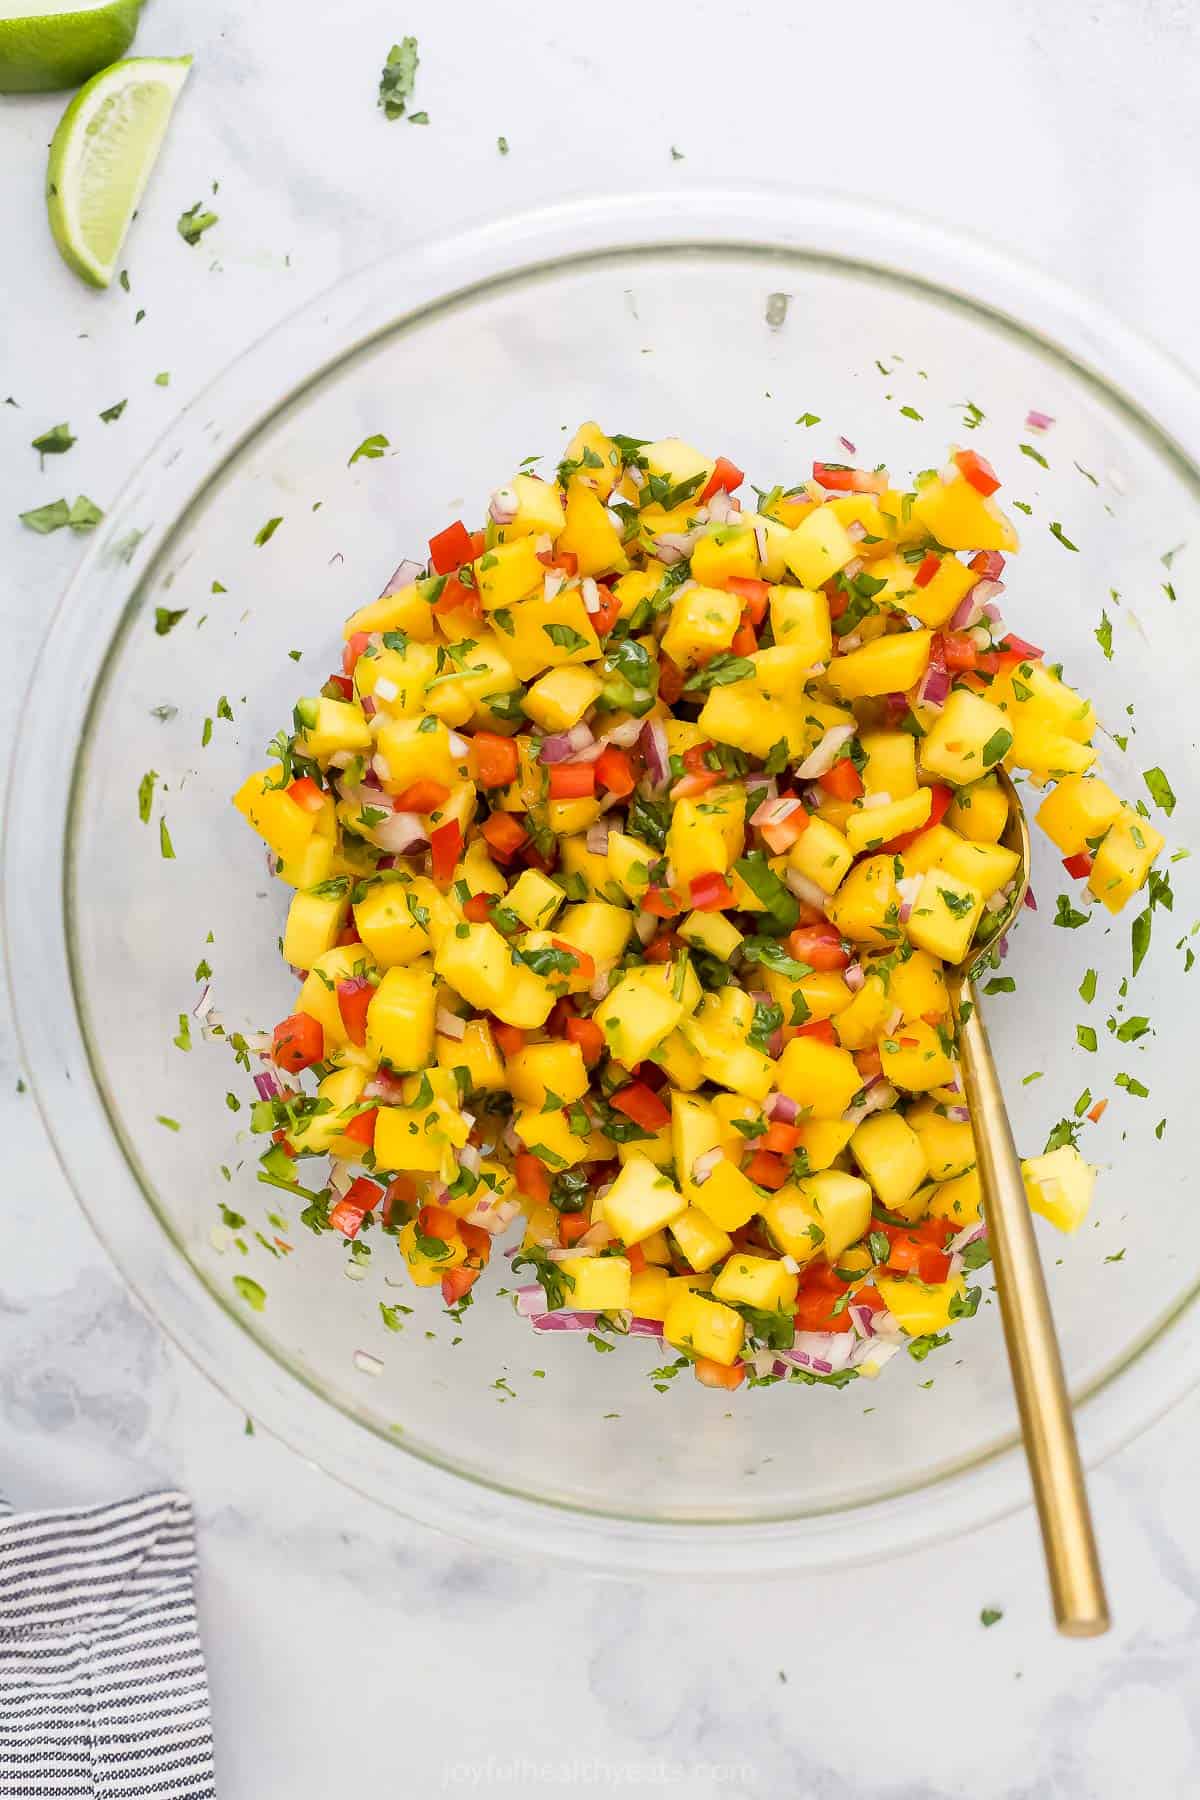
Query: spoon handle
[{"x": 1076, "y": 1584}]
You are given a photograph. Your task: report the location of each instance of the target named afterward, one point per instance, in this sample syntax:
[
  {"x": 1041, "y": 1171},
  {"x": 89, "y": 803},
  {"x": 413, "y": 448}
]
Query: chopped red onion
[
  {"x": 848, "y": 447},
  {"x": 873, "y": 801},
  {"x": 782, "y": 1109},
  {"x": 590, "y": 595},
  {"x": 704, "y": 1165},
  {"x": 672, "y": 547},
  {"x": 853, "y": 568},
  {"x": 822, "y": 759},
  {"x": 458, "y": 746},
  {"x": 987, "y": 590},
  {"x": 597, "y": 838},
  {"x": 402, "y": 833},
  {"x": 494, "y": 1215},
  {"x": 722, "y": 507},
  {"x": 856, "y": 531},
  {"x": 530, "y": 1301},
  {"x": 259, "y": 1041},
  {"x": 1038, "y": 421},
  {"x": 266, "y": 1087},
  {"x": 204, "y": 1004},
  {"x": 566, "y": 1321},
  {"x": 470, "y": 1157},
  {"x": 653, "y": 742},
  {"x": 760, "y": 540},
  {"x": 386, "y": 690},
  {"x": 368, "y": 706},
  {"x": 645, "y": 926},
  {"x": 625, "y": 735},
  {"x": 403, "y": 577},
  {"x": 958, "y": 1115},
  {"x": 449, "y": 1024},
  {"x": 553, "y": 583},
  {"x": 561, "y": 746},
  {"x": 854, "y": 976},
  {"x": 1031, "y": 899},
  {"x": 600, "y": 986},
  {"x": 805, "y": 890},
  {"x": 774, "y": 812},
  {"x": 878, "y": 1096},
  {"x": 381, "y": 766},
  {"x": 934, "y": 688},
  {"x": 502, "y": 507},
  {"x": 509, "y": 1138},
  {"x": 970, "y": 1234}
]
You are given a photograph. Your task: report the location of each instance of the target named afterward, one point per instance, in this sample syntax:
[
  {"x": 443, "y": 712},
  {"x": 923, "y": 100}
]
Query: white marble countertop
[{"x": 345, "y": 1647}]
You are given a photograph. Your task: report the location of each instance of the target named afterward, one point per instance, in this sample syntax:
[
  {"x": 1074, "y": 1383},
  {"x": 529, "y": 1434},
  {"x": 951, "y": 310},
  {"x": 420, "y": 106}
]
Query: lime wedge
[
  {"x": 101, "y": 157},
  {"x": 61, "y": 42}
]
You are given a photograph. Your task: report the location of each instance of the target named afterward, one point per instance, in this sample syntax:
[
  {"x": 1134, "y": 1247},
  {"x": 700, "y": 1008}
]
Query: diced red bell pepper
[
  {"x": 353, "y": 998},
  {"x": 819, "y": 946},
  {"x": 422, "y": 797},
  {"x": 361, "y": 1129},
  {"x": 779, "y": 1138},
  {"x": 1079, "y": 865},
  {"x": 635, "y": 1256},
  {"x": 712, "y": 1374},
  {"x": 458, "y": 1282},
  {"x": 843, "y": 781},
  {"x": 478, "y": 909},
  {"x": 754, "y": 595},
  {"x": 505, "y": 834},
  {"x": 662, "y": 902},
  {"x": 663, "y": 948},
  {"x": 1019, "y": 649},
  {"x": 349, "y": 934},
  {"x": 346, "y": 1218},
  {"x": 478, "y": 1243},
  {"x": 456, "y": 596},
  {"x": 868, "y": 1062},
  {"x": 959, "y": 650},
  {"x": 614, "y": 771},
  {"x": 438, "y": 1222},
  {"x": 572, "y": 781},
  {"x": 510, "y": 1039},
  {"x": 566, "y": 560},
  {"x": 744, "y": 641},
  {"x": 607, "y": 613},
  {"x": 571, "y": 1227},
  {"x": 933, "y": 1266},
  {"x": 361, "y": 1197},
  {"x": 1098, "y": 1111},
  {"x": 585, "y": 967},
  {"x": 766, "y": 1170},
  {"x": 356, "y": 643},
  {"x": 445, "y": 844},
  {"x": 690, "y": 787},
  {"x": 450, "y": 548},
  {"x": 725, "y": 475},
  {"x": 710, "y": 892},
  {"x": 927, "y": 568},
  {"x": 496, "y": 759},
  {"x": 640, "y": 1104},
  {"x": 988, "y": 564},
  {"x": 940, "y": 798},
  {"x": 821, "y": 1029},
  {"x": 342, "y": 686},
  {"x": 588, "y": 1035},
  {"x": 820, "y": 1291},
  {"x": 533, "y": 1181},
  {"x": 297, "y": 1042},
  {"x": 977, "y": 470},
  {"x": 781, "y": 834},
  {"x": 306, "y": 794}
]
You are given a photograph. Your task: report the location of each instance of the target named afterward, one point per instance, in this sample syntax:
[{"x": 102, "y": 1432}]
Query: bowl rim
[{"x": 1145, "y": 382}]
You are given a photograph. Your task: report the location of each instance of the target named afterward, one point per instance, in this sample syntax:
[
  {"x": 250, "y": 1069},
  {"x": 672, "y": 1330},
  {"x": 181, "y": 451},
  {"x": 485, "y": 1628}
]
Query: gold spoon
[{"x": 1076, "y": 1584}]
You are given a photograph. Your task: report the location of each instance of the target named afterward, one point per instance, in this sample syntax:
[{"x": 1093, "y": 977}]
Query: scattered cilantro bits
[
  {"x": 1161, "y": 791},
  {"x": 1057, "y": 531},
  {"x": 55, "y": 442},
  {"x": 371, "y": 448},
  {"x": 398, "y": 78},
  {"x": 192, "y": 224},
  {"x": 266, "y": 532},
  {"x": 80, "y": 515}
]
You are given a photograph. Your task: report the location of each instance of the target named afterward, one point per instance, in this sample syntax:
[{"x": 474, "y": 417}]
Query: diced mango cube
[{"x": 641, "y": 1200}]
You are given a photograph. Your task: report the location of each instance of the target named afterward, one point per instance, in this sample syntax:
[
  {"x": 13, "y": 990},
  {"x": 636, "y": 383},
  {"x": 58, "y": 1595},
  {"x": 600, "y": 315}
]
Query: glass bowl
[{"x": 725, "y": 318}]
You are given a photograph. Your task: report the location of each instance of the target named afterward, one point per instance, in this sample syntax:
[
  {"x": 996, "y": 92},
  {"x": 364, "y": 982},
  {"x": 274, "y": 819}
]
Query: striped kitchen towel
[{"x": 103, "y": 1693}]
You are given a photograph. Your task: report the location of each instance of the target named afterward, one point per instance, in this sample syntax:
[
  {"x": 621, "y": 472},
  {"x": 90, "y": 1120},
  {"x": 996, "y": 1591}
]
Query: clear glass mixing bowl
[{"x": 724, "y": 318}]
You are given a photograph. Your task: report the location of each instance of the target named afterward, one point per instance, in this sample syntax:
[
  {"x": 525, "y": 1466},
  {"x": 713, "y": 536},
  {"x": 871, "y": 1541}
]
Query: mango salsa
[{"x": 636, "y": 848}]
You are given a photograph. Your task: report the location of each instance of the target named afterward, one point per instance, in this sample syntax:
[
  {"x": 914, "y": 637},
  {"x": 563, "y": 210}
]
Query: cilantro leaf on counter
[
  {"x": 192, "y": 224},
  {"x": 398, "y": 77},
  {"x": 1161, "y": 791},
  {"x": 55, "y": 442},
  {"x": 165, "y": 620},
  {"x": 266, "y": 532},
  {"x": 1103, "y": 634},
  {"x": 113, "y": 412},
  {"x": 371, "y": 448},
  {"x": 146, "y": 788},
  {"x": 1057, "y": 531}
]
